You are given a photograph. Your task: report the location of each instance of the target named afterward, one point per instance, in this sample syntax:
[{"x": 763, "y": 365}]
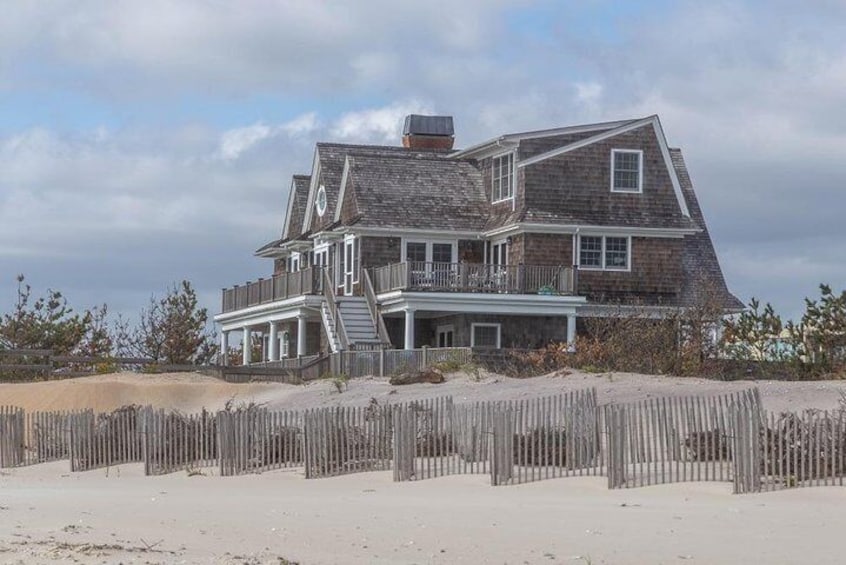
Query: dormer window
[
  {"x": 626, "y": 170},
  {"x": 503, "y": 177}
]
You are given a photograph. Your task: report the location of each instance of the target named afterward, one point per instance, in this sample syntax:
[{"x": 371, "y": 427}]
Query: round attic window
[{"x": 321, "y": 201}]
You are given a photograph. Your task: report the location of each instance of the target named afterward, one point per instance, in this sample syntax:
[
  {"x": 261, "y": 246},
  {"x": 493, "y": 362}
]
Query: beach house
[{"x": 506, "y": 243}]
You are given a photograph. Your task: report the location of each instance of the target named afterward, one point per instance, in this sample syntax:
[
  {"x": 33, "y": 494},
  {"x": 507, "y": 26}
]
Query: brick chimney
[{"x": 428, "y": 132}]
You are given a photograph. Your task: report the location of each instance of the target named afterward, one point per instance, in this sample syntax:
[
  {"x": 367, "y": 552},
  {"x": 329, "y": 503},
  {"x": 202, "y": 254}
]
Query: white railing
[{"x": 475, "y": 277}]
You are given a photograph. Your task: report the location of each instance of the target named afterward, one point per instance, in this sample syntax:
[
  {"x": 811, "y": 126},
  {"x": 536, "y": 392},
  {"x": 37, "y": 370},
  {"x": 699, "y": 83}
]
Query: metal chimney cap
[{"x": 415, "y": 124}]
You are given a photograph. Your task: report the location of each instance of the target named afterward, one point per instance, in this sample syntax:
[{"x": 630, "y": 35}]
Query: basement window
[
  {"x": 626, "y": 170},
  {"x": 485, "y": 335},
  {"x": 503, "y": 177}
]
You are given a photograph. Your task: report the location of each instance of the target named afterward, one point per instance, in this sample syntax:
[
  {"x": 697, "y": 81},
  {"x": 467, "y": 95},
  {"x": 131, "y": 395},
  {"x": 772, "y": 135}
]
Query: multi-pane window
[
  {"x": 429, "y": 252},
  {"x": 485, "y": 335},
  {"x": 626, "y": 170},
  {"x": 616, "y": 253},
  {"x": 503, "y": 177},
  {"x": 604, "y": 252},
  {"x": 415, "y": 251},
  {"x": 590, "y": 252},
  {"x": 442, "y": 253}
]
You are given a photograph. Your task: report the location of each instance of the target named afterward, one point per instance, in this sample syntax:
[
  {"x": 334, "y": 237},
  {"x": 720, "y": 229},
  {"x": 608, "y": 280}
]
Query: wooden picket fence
[
  {"x": 790, "y": 450},
  {"x": 514, "y": 441},
  {"x": 104, "y": 440},
  {"x": 678, "y": 439},
  {"x": 547, "y": 438},
  {"x": 12, "y": 437},
  {"x": 344, "y": 440},
  {"x": 725, "y": 438},
  {"x": 174, "y": 442},
  {"x": 253, "y": 440}
]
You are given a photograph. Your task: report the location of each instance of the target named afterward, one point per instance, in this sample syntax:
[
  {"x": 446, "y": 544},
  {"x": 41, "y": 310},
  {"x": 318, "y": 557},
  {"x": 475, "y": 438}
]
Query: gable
[
  {"x": 615, "y": 134},
  {"x": 571, "y": 184}
]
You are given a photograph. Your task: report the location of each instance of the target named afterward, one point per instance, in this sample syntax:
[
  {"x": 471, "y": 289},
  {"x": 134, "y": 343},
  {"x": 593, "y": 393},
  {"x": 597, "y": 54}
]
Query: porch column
[
  {"x": 246, "y": 347},
  {"x": 301, "y": 335},
  {"x": 273, "y": 346},
  {"x": 224, "y": 348},
  {"x": 409, "y": 328},
  {"x": 571, "y": 332}
]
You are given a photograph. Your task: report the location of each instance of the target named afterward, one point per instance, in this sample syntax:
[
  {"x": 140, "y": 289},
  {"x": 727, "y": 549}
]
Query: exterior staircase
[
  {"x": 356, "y": 324},
  {"x": 361, "y": 331}
]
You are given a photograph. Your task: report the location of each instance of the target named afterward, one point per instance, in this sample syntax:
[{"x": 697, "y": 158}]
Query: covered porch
[
  {"x": 417, "y": 319},
  {"x": 285, "y": 329}
]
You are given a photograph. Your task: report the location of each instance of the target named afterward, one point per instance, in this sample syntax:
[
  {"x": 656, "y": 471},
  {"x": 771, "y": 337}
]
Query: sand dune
[{"x": 192, "y": 392}]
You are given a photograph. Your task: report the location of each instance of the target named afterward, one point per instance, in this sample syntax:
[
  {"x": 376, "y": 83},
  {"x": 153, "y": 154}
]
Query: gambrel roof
[{"x": 699, "y": 260}]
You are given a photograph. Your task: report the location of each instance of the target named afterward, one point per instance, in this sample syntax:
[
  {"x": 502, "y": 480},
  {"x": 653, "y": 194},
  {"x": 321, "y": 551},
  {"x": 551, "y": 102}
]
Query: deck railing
[
  {"x": 373, "y": 307},
  {"x": 278, "y": 287},
  {"x": 475, "y": 277}
]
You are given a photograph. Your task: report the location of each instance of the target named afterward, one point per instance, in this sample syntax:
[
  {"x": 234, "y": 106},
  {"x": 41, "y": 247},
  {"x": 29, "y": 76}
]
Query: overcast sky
[{"x": 146, "y": 142}]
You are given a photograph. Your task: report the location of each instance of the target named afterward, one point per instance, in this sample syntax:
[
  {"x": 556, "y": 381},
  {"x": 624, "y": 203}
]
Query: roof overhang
[
  {"x": 584, "y": 229},
  {"x": 515, "y": 138}
]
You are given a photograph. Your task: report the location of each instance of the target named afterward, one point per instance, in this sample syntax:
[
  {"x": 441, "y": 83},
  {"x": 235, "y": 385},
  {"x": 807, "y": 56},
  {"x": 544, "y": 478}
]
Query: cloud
[
  {"x": 377, "y": 125},
  {"x": 207, "y": 109},
  {"x": 236, "y": 141}
]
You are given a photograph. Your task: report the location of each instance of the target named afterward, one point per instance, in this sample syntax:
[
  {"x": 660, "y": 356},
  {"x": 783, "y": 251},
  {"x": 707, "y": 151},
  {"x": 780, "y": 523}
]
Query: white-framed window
[
  {"x": 320, "y": 202},
  {"x": 445, "y": 336},
  {"x": 284, "y": 345},
  {"x": 502, "y": 175},
  {"x": 294, "y": 262},
  {"x": 605, "y": 252},
  {"x": 626, "y": 170},
  {"x": 424, "y": 251},
  {"x": 486, "y": 335}
]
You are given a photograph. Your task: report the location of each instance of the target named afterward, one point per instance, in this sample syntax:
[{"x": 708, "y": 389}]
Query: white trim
[
  {"x": 603, "y": 267},
  {"x": 428, "y": 243},
  {"x": 517, "y": 137},
  {"x": 662, "y": 143},
  {"x": 312, "y": 185},
  {"x": 475, "y": 325},
  {"x": 414, "y": 233},
  {"x": 343, "y": 189},
  {"x": 480, "y": 303},
  {"x": 290, "y": 208},
  {"x": 321, "y": 189},
  {"x": 586, "y": 141},
  {"x": 442, "y": 329},
  {"x": 264, "y": 313},
  {"x": 512, "y": 155},
  {"x": 515, "y": 229},
  {"x": 674, "y": 177},
  {"x": 639, "y": 154}
]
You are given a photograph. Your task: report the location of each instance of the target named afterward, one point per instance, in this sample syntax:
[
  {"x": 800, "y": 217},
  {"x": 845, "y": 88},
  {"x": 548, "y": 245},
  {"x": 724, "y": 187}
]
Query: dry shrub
[
  {"x": 283, "y": 445},
  {"x": 710, "y": 445},
  {"x": 541, "y": 446},
  {"x": 793, "y": 440}
]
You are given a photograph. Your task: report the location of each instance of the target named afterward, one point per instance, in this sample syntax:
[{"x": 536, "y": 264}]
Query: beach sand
[{"x": 117, "y": 515}]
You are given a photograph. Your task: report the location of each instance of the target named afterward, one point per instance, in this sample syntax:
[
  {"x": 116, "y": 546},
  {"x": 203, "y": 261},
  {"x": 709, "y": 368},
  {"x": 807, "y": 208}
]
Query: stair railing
[
  {"x": 332, "y": 304},
  {"x": 373, "y": 306}
]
